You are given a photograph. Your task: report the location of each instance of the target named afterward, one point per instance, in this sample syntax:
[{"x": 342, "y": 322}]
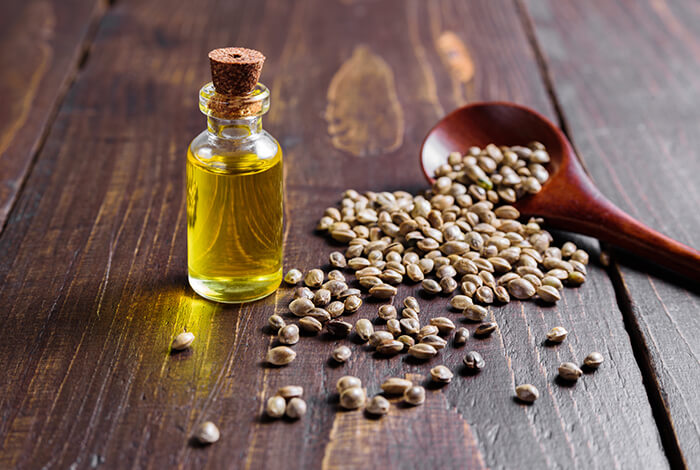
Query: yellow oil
[{"x": 234, "y": 225}]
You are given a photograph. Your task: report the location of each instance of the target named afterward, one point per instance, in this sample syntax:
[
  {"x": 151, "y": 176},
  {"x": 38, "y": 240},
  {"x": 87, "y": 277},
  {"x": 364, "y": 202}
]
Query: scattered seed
[
  {"x": 460, "y": 302},
  {"x": 422, "y": 351},
  {"x": 575, "y": 279},
  {"x": 378, "y": 406},
  {"x": 364, "y": 329},
  {"x": 407, "y": 341},
  {"x": 301, "y": 306},
  {"x": 275, "y": 407},
  {"x": 412, "y": 303},
  {"x": 475, "y": 313},
  {"x": 314, "y": 278},
  {"x": 390, "y": 347},
  {"x": 548, "y": 294},
  {"x": 569, "y": 371},
  {"x": 485, "y": 329},
  {"x": 280, "y": 355},
  {"x": 527, "y": 393},
  {"x": 337, "y": 260},
  {"x": 183, "y": 341},
  {"x": 461, "y": 336},
  {"x": 303, "y": 293},
  {"x": 441, "y": 374},
  {"x": 415, "y": 395},
  {"x": 346, "y": 382},
  {"x": 335, "y": 308},
  {"x": 376, "y": 338},
  {"x": 293, "y": 277},
  {"x": 444, "y": 325},
  {"x": 521, "y": 289},
  {"x": 275, "y": 322},
  {"x": 288, "y": 334},
  {"x": 338, "y": 328},
  {"x": 387, "y": 312},
  {"x": 409, "y": 313},
  {"x": 409, "y": 326},
  {"x": 396, "y": 386},
  {"x": 310, "y": 325},
  {"x": 353, "y": 303},
  {"x": 207, "y": 433},
  {"x": 557, "y": 334},
  {"x": 593, "y": 360},
  {"x": 290, "y": 391},
  {"x": 474, "y": 361},
  {"x": 352, "y": 398},
  {"x": 393, "y": 326},
  {"x": 341, "y": 354},
  {"x": 296, "y": 408},
  {"x": 431, "y": 286}
]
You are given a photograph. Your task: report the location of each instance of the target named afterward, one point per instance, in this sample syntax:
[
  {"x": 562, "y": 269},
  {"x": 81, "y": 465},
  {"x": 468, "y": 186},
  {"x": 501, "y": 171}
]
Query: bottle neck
[{"x": 234, "y": 129}]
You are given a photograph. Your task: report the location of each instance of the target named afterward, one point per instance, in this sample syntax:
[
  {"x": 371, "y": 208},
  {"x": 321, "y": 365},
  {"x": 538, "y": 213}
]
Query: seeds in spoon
[
  {"x": 527, "y": 393},
  {"x": 296, "y": 408},
  {"x": 183, "y": 341},
  {"x": 441, "y": 374},
  {"x": 557, "y": 334},
  {"x": 378, "y": 406},
  {"x": 593, "y": 360},
  {"x": 341, "y": 354},
  {"x": 207, "y": 433},
  {"x": 276, "y": 406},
  {"x": 415, "y": 395},
  {"x": 569, "y": 371}
]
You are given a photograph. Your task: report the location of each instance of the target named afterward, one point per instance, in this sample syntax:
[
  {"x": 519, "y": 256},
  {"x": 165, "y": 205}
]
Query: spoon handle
[{"x": 598, "y": 217}]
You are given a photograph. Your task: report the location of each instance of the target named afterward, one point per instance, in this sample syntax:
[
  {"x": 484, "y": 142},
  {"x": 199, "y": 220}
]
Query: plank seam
[
  {"x": 81, "y": 58},
  {"x": 640, "y": 349}
]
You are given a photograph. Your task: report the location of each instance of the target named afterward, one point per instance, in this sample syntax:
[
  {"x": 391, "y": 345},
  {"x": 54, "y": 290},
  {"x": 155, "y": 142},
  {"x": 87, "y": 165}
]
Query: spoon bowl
[{"x": 568, "y": 200}]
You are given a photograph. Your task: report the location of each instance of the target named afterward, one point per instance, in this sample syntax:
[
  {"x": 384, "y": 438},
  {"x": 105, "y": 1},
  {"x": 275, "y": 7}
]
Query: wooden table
[{"x": 98, "y": 106}]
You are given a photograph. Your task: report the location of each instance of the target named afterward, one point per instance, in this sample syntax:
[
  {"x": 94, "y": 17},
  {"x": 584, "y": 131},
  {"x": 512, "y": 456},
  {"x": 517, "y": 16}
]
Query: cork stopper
[{"x": 235, "y": 70}]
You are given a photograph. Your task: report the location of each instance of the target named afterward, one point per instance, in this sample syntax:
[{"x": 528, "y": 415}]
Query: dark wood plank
[
  {"x": 93, "y": 260},
  {"x": 41, "y": 44},
  {"x": 626, "y": 76}
]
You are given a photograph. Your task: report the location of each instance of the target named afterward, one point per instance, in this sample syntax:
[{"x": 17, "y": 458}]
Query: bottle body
[{"x": 234, "y": 211}]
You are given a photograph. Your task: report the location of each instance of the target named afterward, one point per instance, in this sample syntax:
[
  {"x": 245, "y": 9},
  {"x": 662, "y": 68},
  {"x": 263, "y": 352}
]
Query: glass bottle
[{"x": 234, "y": 200}]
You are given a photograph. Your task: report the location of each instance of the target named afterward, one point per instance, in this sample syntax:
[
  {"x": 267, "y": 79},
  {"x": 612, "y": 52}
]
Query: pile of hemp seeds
[{"x": 461, "y": 238}]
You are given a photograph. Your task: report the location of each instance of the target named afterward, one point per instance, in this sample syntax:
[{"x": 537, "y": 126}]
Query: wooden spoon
[{"x": 568, "y": 200}]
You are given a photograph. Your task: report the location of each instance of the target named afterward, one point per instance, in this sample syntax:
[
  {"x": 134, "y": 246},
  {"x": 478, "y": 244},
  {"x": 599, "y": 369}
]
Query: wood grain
[
  {"x": 41, "y": 44},
  {"x": 628, "y": 93},
  {"x": 93, "y": 263}
]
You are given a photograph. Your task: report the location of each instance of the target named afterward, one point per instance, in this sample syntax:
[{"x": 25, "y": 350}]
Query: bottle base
[{"x": 230, "y": 290}]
